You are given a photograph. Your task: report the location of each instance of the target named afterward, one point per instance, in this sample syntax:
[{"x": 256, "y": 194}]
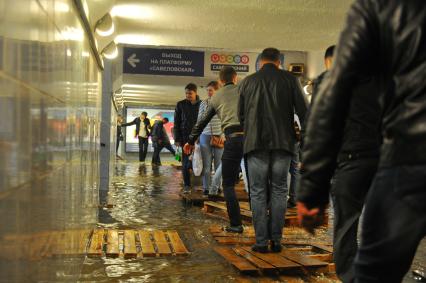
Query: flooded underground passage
[{"x": 212, "y": 141}]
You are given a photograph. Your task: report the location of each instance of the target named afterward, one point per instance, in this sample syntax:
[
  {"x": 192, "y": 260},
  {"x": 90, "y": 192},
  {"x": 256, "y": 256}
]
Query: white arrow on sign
[{"x": 132, "y": 60}]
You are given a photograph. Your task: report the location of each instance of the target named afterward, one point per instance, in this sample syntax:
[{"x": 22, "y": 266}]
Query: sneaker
[
  {"x": 260, "y": 249},
  {"x": 276, "y": 247},
  {"x": 205, "y": 193},
  {"x": 234, "y": 229},
  {"x": 142, "y": 162},
  {"x": 186, "y": 189}
]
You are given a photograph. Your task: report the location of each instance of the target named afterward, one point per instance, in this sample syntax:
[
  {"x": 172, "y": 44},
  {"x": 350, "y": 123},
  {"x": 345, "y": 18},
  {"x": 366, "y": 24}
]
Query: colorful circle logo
[
  {"x": 229, "y": 59},
  {"x": 215, "y": 58}
]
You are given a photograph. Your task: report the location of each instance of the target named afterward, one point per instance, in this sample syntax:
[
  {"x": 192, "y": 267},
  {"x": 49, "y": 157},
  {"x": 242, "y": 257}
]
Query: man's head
[
  {"x": 270, "y": 55},
  {"x": 143, "y": 115},
  {"x": 165, "y": 120},
  {"x": 191, "y": 92},
  {"x": 212, "y": 87},
  {"x": 119, "y": 118},
  {"x": 328, "y": 57},
  {"x": 228, "y": 75}
]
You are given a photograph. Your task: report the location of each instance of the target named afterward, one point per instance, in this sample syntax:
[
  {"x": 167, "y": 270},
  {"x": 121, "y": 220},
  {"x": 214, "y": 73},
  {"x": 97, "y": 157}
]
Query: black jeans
[
  {"x": 186, "y": 166},
  {"x": 117, "y": 144},
  {"x": 352, "y": 181},
  {"x": 157, "y": 150},
  {"x": 231, "y": 160},
  {"x": 143, "y": 148},
  {"x": 394, "y": 223}
]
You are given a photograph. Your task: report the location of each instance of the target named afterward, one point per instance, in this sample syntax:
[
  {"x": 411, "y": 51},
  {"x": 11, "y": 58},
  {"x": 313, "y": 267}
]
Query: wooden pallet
[
  {"x": 218, "y": 209},
  {"x": 294, "y": 238},
  {"x": 135, "y": 243},
  {"x": 94, "y": 243},
  {"x": 196, "y": 197},
  {"x": 288, "y": 261}
]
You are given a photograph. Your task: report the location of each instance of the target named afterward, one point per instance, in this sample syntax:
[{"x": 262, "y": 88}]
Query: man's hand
[
  {"x": 187, "y": 149},
  {"x": 310, "y": 219}
]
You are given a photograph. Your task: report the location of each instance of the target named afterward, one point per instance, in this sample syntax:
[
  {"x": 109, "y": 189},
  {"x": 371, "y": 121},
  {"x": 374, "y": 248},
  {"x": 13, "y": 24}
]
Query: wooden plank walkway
[{"x": 245, "y": 260}]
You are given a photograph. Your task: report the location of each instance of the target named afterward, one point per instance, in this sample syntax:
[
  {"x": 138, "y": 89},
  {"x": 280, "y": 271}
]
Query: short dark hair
[
  {"x": 213, "y": 84},
  {"x": 165, "y": 118},
  {"x": 329, "y": 52},
  {"x": 227, "y": 74},
  {"x": 270, "y": 54},
  {"x": 191, "y": 86},
  {"x": 144, "y": 113}
]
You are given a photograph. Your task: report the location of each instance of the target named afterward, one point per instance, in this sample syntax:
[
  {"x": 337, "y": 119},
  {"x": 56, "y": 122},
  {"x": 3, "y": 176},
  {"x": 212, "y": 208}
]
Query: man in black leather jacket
[
  {"x": 186, "y": 114},
  {"x": 142, "y": 133},
  {"x": 385, "y": 39},
  {"x": 268, "y": 100},
  {"x": 328, "y": 62}
]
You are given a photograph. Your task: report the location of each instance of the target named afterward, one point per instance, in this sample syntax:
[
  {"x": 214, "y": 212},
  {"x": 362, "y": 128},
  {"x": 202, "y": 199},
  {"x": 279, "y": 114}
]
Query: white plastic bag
[{"x": 197, "y": 161}]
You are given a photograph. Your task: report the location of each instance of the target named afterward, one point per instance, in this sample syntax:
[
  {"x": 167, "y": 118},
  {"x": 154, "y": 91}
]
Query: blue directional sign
[{"x": 169, "y": 62}]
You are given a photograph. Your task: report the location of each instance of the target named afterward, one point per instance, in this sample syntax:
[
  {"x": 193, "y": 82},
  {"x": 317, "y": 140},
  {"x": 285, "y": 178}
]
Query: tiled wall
[{"x": 49, "y": 140}]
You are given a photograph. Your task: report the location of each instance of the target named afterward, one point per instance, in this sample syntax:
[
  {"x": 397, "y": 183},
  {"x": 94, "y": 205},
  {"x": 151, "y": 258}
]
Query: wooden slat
[
  {"x": 112, "y": 243},
  {"x": 261, "y": 264},
  {"x": 322, "y": 257},
  {"x": 147, "y": 246},
  {"x": 235, "y": 240},
  {"x": 177, "y": 244},
  {"x": 240, "y": 263},
  {"x": 274, "y": 259},
  {"x": 129, "y": 244},
  {"x": 161, "y": 242},
  {"x": 324, "y": 248},
  {"x": 84, "y": 239},
  {"x": 96, "y": 244},
  {"x": 303, "y": 260}
]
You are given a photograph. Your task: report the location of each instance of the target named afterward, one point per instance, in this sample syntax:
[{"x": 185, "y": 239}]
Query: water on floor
[{"x": 148, "y": 198}]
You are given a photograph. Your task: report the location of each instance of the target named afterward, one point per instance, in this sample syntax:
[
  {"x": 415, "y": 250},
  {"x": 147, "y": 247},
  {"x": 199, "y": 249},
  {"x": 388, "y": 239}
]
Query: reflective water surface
[{"x": 148, "y": 198}]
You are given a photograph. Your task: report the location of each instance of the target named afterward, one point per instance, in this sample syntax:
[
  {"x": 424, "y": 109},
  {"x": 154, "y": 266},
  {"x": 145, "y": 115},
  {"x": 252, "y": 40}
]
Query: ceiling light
[
  {"x": 105, "y": 25},
  {"x": 136, "y": 12},
  {"x": 110, "y": 51}
]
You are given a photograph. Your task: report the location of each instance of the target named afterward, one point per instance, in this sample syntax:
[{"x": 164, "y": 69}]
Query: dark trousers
[
  {"x": 231, "y": 160},
  {"x": 393, "y": 225},
  {"x": 352, "y": 181},
  {"x": 186, "y": 166},
  {"x": 157, "y": 150},
  {"x": 117, "y": 144},
  {"x": 143, "y": 148}
]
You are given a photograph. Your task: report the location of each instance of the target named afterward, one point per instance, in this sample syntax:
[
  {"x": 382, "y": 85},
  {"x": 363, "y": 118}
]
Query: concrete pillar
[{"x": 105, "y": 136}]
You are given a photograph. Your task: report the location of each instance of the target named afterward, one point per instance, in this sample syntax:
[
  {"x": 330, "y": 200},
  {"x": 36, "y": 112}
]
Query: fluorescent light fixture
[
  {"x": 61, "y": 7},
  {"x": 105, "y": 26},
  {"x": 69, "y": 53},
  {"x": 85, "y": 54},
  {"x": 136, "y": 39},
  {"x": 110, "y": 51},
  {"x": 132, "y": 11}
]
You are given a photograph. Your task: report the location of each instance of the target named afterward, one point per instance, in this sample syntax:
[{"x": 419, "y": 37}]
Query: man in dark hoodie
[
  {"x": 160, "y": 140},
  {"x": 186, "y": 114},
  {"x": 143, "y": 128}
]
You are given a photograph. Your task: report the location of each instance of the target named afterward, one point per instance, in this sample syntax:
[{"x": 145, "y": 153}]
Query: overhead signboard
[{"x": 169, "y": 62}]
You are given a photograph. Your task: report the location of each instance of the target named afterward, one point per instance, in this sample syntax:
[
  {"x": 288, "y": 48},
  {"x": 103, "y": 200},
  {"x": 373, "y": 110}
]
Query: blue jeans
[
  {"x": 217, "y": 178},
  {"x": 267, "y": 172},
  {"x": 209, "y": 152},
  {"x": 394, "y": 223}
]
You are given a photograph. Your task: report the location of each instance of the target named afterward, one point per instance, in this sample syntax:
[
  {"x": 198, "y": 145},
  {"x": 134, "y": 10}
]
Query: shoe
[
  {"x": 205, "y": 193},
  {"x": 186, "y": 189},
  {"x": 234, "y": 229},
  {"x": 276, "y": 247},
  {"x": 260, "y": 249},
  {"x": 142, "y": 162}
]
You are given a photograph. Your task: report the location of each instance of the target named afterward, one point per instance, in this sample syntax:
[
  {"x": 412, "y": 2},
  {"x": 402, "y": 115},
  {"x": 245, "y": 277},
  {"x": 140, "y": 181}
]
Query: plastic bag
[
  {"x": 178, "y": 155},
  {"x": 197, "y": 161}
]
